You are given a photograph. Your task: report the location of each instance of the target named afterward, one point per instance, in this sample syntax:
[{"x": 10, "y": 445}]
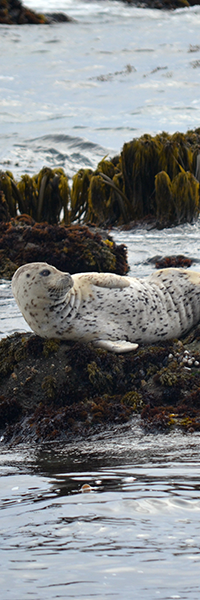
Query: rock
[
  {"x": 71, "y": 249},
  {"x": 51, "y": 390},
  {"x": 13, "y": 12}
]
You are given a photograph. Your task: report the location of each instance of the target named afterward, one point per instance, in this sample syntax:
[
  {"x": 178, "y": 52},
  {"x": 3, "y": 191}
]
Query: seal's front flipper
[{"x": 117, "y": 346}]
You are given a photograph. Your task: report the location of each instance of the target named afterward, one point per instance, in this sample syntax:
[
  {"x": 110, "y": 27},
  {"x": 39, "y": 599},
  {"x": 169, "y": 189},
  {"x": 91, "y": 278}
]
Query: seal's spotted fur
[{"x": 113, "y": 312}]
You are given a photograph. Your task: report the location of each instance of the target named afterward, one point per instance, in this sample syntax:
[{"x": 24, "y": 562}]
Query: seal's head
[{"x": 37, "y": 288}]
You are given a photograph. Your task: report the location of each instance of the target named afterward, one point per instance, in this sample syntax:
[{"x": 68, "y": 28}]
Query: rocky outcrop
[
  {"x": 72, "y": 249},
  {"x": 13, "y": 12},
  {"x": 51, "y": 390}
]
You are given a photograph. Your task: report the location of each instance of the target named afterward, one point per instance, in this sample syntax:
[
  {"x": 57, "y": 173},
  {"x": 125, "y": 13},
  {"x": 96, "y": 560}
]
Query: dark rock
[
  {"x": 51, "y": 390},
  {"x": 13, "y": 12},
  {"x": 71, "y": 249}
]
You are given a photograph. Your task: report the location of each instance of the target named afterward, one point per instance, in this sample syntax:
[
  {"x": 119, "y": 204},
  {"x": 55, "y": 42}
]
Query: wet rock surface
[
  {"x": 71, "y": 249},
  {"x": 52, "y": 390},
  {"x": 13, "y": 12},
  {"x": 163, "y": 4}
]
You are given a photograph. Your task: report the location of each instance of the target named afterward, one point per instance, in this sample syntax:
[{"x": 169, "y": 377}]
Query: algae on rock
[
  {"x": 72, "y": 249},
  {"x": 69, "y": 389}
]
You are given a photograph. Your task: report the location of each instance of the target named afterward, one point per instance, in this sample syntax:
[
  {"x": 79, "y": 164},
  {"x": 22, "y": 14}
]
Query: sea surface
[{"x": 70, "y": 94}]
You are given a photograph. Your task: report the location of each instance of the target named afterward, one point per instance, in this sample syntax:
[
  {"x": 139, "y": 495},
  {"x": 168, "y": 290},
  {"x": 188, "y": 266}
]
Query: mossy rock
[
  {"x": 52, "y": 390},
  {"x": 72, "y": 249},
  {"x": 13, "y": 12}
]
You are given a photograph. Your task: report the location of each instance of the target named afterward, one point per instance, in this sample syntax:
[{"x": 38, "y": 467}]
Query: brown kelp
[
  {"x": 45, "y": 195},
  {"x": 155, "y": 178}
]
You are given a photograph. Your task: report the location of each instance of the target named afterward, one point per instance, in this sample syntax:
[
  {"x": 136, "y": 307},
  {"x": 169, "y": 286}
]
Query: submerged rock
[
  {"x": 178, "y": 261},
  {"x": 51, "y": 390}
]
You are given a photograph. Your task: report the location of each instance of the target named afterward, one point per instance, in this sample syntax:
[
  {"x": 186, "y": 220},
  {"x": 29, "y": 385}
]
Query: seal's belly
[{"x": 144, "y": 313}]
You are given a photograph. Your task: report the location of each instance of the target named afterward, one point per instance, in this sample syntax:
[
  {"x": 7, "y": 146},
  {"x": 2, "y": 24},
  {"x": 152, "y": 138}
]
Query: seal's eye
[{"x": 45, "y": 272}]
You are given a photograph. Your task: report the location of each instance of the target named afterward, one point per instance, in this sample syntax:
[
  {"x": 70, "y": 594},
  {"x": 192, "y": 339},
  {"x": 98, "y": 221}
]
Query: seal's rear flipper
[{"x": 117, "y": 346}]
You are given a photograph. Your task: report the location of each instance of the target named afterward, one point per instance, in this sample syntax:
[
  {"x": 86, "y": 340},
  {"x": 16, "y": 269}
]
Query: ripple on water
[{"x": 138, "y": 522}]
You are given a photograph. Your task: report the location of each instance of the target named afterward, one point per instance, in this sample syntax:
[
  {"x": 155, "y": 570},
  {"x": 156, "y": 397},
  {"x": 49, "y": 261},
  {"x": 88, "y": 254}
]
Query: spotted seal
[{"x": 113, "y": 312}]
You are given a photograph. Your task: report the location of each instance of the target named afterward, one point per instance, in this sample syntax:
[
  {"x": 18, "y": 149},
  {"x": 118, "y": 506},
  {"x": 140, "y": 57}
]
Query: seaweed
[
  {"x": 14, "y": 12},
  {"x": 140, "y": 164},
  {"x": 58, "y": 391},
  {"x": 71, "y": 249},
  {"x": 154, "y": 178}
]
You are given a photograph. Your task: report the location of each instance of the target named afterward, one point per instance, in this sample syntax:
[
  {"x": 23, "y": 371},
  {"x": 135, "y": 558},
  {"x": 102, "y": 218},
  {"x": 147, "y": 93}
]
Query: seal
[{"x": 114, "y": 312}]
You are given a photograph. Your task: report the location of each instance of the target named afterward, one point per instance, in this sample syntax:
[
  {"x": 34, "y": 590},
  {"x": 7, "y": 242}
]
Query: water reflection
[{"x": 138, "y": 522}]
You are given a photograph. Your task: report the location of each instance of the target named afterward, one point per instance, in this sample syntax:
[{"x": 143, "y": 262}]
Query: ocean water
[
  {"x": 69, "y": 95},
  {"x": 134, "y": 534}
]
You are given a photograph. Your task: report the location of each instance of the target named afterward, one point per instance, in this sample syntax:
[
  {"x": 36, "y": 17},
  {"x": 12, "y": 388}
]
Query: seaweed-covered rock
[
  {"x": 52, "y": 390},
  {"x": 163, "y": 4},
  {"x": 71, "y": 249},
  {"x": 178, "y": 261},
  {"x": 14, "y": 12}
]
